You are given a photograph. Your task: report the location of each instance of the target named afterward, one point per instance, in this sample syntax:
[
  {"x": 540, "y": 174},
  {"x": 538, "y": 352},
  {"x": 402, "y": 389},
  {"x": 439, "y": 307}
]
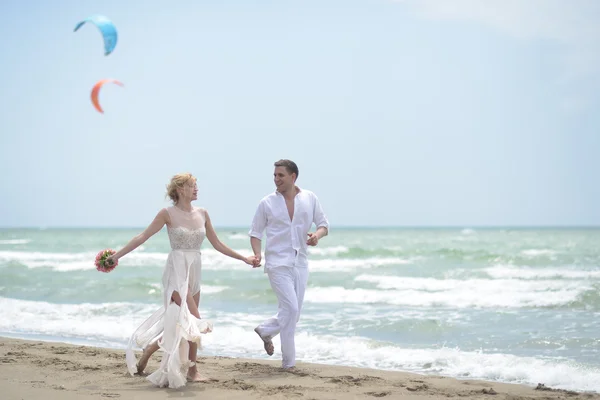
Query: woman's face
[{"x": 189, "y": 191}]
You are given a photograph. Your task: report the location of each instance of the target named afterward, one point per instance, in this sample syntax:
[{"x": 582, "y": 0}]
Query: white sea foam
[
  {"x": 350, "y": 264},
  {"x": 238, "y": 236},
  {"x": 488, "y": 285},
  {"x": 35, "y": 256},
  {"x": 15, "y": 241},
  {"x": 513, "y": 272},
  {"x": 211, "y": 259},
  {"x": 233, "y": 336},
  {"x": 110, "y": 321},
  {"x": 328, "y": 251},
  {"x": 360, "y": 352},
  {"x": 538, "y": 252},
  {"x": 105, "y": 321},
  {"x": 206, "y": 289},
  {"x": 473, "y": 293}
]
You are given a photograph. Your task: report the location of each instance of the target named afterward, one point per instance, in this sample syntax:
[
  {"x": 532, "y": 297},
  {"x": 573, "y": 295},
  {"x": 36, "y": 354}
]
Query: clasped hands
[{"x": 255, "y": 260}]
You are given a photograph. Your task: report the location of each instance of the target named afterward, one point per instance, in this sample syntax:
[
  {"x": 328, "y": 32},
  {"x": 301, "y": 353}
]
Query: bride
[{"x": 176, "y": 326}]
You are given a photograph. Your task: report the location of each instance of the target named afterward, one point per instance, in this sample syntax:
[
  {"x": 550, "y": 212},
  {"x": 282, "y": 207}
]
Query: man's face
[{"x": 283, "y": 179}]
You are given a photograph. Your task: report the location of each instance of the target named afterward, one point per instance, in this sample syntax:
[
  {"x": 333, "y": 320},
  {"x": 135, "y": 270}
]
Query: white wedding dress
[{"x": 172, "y": 324}]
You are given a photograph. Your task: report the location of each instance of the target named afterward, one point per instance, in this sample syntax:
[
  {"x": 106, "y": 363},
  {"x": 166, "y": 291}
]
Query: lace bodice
[
  {"x": 187, "y": 230},
  {"x": 184, "y": 239}
]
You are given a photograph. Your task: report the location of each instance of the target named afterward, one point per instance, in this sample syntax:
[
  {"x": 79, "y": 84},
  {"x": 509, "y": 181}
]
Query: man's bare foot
[{"x": 269, "y": 348}]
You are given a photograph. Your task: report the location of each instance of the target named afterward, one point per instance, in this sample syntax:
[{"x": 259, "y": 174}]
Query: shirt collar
[{"x": 296, "y": 186}]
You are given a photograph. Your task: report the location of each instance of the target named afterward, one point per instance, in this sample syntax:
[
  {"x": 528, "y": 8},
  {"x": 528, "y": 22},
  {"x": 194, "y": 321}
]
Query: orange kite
[{"x": 96, "y": 91}]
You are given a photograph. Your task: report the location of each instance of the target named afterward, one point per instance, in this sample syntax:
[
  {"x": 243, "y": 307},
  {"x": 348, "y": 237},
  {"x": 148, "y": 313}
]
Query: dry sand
[{"x": 33, "y": 370}]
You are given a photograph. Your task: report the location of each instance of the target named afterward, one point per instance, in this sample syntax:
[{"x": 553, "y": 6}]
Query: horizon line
[{"x": 240, "y": 227}]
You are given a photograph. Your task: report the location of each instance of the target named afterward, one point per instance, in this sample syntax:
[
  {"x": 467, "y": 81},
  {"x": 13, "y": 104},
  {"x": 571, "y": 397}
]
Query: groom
[{"x": 287, "y": 216}]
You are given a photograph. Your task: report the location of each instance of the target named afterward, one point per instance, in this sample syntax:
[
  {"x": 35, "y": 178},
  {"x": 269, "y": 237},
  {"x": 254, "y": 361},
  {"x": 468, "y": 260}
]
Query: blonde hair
[{"x": 177, "y": 181}]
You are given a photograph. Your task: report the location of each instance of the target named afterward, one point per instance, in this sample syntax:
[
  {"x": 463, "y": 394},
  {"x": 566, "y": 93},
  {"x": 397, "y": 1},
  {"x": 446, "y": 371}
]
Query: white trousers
[{"x": 289, "y": 285}]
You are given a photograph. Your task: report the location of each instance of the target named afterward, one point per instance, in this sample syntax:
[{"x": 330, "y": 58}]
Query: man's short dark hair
[{"x": 289, "y": 165}]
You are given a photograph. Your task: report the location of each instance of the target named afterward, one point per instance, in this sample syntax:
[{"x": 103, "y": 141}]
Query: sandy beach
[{"x": 44, "y": 370}]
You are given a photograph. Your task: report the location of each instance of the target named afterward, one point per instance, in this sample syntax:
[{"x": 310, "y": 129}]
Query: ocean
[{"x": 509, "y": 305}]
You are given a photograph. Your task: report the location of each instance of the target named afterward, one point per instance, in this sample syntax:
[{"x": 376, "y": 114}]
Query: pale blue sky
[{"x": 403, "y": 113}]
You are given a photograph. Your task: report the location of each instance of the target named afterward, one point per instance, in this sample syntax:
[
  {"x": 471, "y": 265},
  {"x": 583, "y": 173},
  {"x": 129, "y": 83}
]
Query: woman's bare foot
[
  {"x": 194, "y": 376},
  {"x": 148, "y": 351},
  {"x": 141, "y": 365}
]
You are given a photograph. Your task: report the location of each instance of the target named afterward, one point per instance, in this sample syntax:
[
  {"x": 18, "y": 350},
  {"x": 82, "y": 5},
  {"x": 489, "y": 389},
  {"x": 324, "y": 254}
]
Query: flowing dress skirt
[{"x": 173, "y": 325}]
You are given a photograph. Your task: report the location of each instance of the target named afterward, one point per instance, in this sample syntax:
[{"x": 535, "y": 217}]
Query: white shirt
[{"x": 286, "y": 239}]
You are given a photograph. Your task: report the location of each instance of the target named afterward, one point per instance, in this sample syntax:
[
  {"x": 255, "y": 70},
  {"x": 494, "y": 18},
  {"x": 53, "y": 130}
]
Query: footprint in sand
[{"x": 378, "y": 394}]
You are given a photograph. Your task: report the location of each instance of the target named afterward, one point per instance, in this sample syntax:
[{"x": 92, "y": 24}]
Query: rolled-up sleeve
[
  {"x": 259, "y": 222},
  {"x": 319, "y": 217}
]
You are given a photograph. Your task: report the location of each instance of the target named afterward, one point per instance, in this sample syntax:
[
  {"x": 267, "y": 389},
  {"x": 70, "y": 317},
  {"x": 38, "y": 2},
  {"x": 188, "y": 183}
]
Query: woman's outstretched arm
[
  {"x": 160, "y": 220},
  {"x": 221, "y": 247}
]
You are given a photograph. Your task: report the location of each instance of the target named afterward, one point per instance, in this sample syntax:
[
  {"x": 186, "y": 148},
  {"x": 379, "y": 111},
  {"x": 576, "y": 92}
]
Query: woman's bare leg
[
  {"x": 193, "y": 373},
  {"x": 148, "y": 351},
  {"x": 192, "y": 302}
]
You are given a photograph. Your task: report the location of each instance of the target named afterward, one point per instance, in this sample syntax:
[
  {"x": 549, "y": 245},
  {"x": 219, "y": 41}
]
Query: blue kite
[{"x": 106, "y": 27}]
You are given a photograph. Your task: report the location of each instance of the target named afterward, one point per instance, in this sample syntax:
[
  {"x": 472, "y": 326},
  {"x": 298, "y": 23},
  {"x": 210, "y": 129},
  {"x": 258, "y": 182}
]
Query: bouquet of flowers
[{"x": 101, "y": 264}]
